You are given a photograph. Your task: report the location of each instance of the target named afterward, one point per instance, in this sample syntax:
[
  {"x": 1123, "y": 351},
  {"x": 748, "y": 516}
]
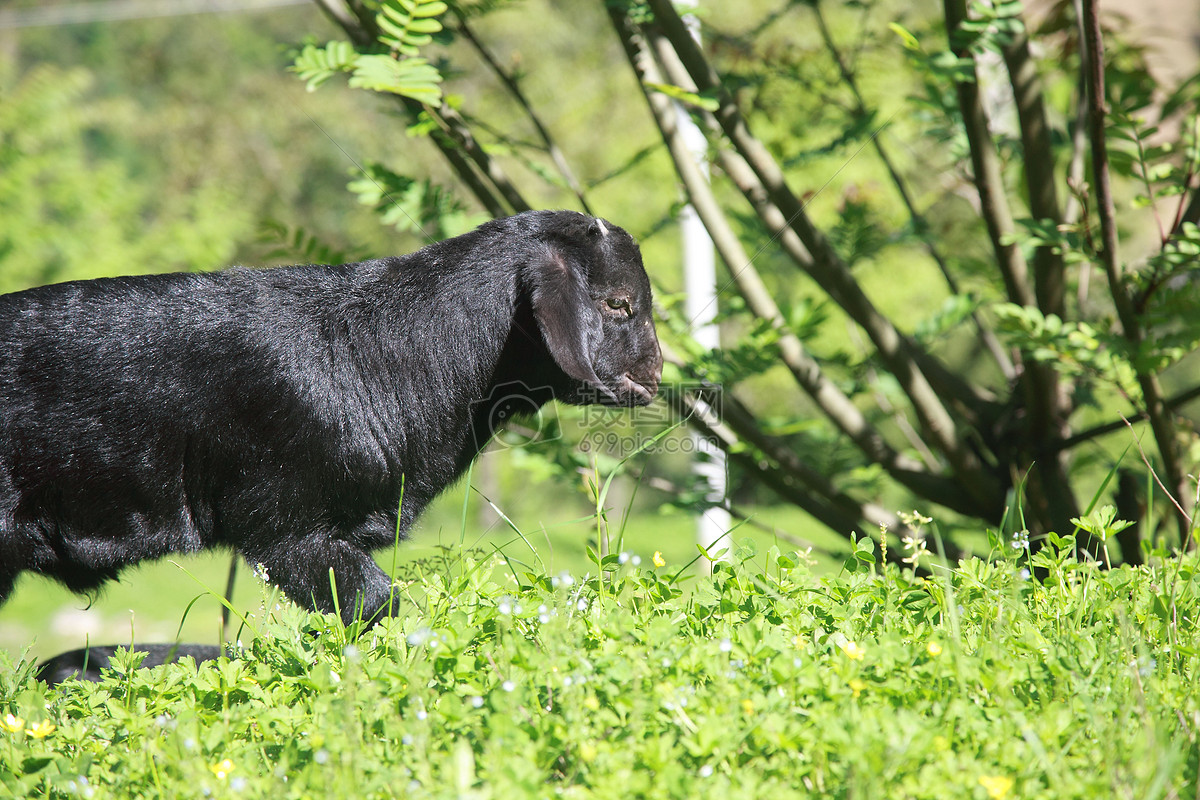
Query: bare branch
[
  {"x": 338, "y": 14},
  {"x": 510, "y": 83},
  {"x": 808, "y": 373},
  {"x": 831, "y": 273},
  {"x": 1190, "y": 212},
  {"x": 453, "y": 138},
  {"x": 988, "y": 172},
  {"x": 837, "y": 511},
  {"x": 1161, "y": 423},
  {"x": 454, "y": 125},
  {"x": 1172, "y": 403},
  {"x": 1038, "y": 162},
  {"x": 920, "y": 224}
]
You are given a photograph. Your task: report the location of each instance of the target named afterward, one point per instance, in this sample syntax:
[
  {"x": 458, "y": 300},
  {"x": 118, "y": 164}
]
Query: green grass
[
  {"x": 768, "y": 680},
  {"x": 147, "y": 603}
]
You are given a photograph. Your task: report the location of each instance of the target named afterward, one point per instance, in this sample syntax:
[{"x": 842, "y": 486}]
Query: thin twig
[
  {"x": 1170, "y": 495},
  {"x": 1171, "y": 403}
]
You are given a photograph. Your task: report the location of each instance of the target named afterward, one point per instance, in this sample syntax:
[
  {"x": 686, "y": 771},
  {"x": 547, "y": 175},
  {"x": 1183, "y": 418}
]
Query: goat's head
[{"x": 591, "y": 299}]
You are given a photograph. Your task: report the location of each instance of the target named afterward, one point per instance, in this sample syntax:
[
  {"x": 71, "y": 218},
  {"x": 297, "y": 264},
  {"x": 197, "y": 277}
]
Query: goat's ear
[{"x": 570, "y": 324}]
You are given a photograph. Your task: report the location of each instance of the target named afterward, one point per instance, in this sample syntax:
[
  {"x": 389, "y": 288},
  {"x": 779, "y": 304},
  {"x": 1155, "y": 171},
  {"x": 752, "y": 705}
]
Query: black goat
[{"x": 282, "y": 412}]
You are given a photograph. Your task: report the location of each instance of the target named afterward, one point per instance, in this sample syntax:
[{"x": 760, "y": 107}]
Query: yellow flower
[
  {"x": 857, "y": 686},
  {"x": 40, "y": 730},
  {"x": 223, "y": 769},
  {"x": 659, "y": 561},
  {"x": 998, "y": 786},
  {"x": 591, "y": 703},
  {"x": 933, "y": 648},
  {"x": 748, "y": 706},
  {"x": 12, "y": 724},
  {"x": 588, "y": 752},
  {"x": 853, "y": 650}
]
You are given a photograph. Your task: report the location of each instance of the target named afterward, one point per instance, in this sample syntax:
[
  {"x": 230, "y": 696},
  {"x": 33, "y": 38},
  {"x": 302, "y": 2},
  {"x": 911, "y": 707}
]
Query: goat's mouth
[
  {"x": 641, "y": 392},
  {"x": 629, "y": 392}
]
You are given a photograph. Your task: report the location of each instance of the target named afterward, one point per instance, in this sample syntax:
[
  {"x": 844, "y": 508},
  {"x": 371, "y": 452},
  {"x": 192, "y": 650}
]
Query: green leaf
[
  {"x": 408, "y": 24},
  {"x": 907, "y": 39},
  {"x": 316, "y": 65},
  {"x": 701, "y": 101},
  {"x": 409, "y": 77}
]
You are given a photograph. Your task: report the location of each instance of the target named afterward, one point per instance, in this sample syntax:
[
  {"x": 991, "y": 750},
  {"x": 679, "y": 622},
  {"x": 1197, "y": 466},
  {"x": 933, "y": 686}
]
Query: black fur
[
  {"x": 276, "y": 411},
  {"x": 86, "y": 663}
]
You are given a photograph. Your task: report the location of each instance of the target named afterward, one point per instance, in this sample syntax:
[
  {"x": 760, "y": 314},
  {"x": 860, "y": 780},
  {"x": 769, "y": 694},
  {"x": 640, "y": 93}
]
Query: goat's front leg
[{"x": 300, "y": 566}]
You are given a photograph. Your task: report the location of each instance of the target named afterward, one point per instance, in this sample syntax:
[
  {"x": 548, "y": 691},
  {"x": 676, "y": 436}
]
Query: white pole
[{"x": 700, "y": 305}]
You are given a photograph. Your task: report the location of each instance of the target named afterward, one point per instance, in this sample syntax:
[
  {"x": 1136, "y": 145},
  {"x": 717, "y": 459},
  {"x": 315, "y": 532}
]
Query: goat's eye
[{"x": 620, "y": 304}]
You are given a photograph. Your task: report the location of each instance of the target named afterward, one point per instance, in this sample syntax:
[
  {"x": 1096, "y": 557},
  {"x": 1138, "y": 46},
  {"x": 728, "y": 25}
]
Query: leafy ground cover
[{"x": 986, "y": 681}]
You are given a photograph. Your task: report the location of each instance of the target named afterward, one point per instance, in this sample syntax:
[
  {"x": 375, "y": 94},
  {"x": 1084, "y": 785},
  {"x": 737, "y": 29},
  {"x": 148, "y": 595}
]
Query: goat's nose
[
  {"x": 656, "y": 368},
  {"x": 647, "y": 378}
]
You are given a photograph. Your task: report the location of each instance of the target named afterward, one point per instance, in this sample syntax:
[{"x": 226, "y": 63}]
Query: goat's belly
[{"x": 83, "y": 545}]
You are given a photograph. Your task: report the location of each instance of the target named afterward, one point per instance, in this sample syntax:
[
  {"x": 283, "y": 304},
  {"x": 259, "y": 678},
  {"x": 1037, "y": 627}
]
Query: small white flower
[
  {"x": 350, "y": 652},
  {"x": 321, "y": 756},
  {"x": 1020, "y": 540},
  {"x": 706, "y": 771},
  {"x": 476, "y": 701},
  {"x": 422, "y": 713},
  {"x": 419, "y": 637},
  {"x": 623, "y": 558},
  {"x": 406, "y": 740},
  {"x": 504, "y": 606},
  {"x": 915, "y": 545},
  {"x": 726, "y": 645},
  {"x": 508, "y": 686}
]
